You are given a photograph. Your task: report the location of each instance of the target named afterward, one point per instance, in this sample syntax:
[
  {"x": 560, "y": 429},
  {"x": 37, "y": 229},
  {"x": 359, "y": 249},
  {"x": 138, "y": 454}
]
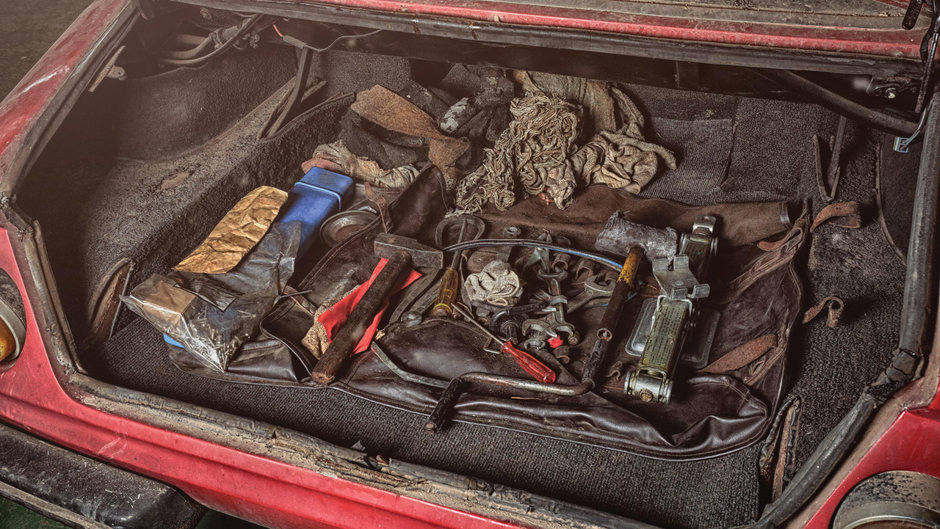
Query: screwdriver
[
  {"x": 527, "y": 362},
  {"x": 447, "y": 294}
]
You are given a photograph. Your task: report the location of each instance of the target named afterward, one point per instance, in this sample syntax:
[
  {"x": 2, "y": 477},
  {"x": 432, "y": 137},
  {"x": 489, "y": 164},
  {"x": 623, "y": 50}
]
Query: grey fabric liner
[{"x": 703, "y": 148}]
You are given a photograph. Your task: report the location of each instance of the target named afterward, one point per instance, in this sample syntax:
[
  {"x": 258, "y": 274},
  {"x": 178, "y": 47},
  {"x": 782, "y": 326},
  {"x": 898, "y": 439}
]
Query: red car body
[{"x": 276, "y": 481}]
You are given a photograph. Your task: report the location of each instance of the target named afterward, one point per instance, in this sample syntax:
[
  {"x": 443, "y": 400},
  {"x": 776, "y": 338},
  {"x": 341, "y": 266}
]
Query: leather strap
[
  {"x": 844, "y": 214},
  {"x": 835, "y": 305},
  {"x": 779, "y": 253},
  {"x": 742, "y": 355},
  {"x": 382, "y": 204}
]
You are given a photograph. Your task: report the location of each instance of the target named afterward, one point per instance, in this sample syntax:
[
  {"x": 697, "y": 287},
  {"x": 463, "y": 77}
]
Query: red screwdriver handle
[{"x": 530, "y": 364}]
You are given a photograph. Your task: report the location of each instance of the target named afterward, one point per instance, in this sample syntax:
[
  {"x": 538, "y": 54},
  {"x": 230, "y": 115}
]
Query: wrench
[{"x": 593, "y": 289}]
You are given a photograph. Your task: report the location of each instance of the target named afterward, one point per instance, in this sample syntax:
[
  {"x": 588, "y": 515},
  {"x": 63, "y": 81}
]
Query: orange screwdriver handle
[
  {"x": 447, "y": 295},
  {"x": 530, "y": 364}
]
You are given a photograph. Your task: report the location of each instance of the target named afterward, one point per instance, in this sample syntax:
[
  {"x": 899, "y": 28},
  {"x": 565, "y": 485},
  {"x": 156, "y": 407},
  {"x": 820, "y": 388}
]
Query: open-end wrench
[
  {"x": 593, "y": 289},
  {"x": 556, "y": 310}
]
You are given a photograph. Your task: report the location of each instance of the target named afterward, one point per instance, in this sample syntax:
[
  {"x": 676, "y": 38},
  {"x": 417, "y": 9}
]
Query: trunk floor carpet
[
  {"x": 708, "y": 493},
  {"x": 740, "y": 149}
]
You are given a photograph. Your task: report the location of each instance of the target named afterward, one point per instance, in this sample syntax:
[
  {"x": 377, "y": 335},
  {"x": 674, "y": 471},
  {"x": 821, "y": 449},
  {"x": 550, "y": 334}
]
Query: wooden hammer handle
[{"x": 342, "y": 344}]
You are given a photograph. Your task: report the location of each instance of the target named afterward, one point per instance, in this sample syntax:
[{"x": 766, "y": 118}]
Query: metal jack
[{"x": 672, "y": 314}]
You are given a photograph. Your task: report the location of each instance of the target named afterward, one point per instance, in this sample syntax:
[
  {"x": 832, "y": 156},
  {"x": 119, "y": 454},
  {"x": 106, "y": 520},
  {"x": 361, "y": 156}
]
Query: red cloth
[{"x": 335, "y": 316}]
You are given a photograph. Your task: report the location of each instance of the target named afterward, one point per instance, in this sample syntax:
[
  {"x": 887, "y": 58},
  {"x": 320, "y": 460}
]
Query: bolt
[{"x": 891, "y": 93}]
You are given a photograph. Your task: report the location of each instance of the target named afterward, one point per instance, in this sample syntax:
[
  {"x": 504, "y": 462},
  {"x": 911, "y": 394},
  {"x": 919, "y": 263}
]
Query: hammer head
[{"x": 422, "y": 256}]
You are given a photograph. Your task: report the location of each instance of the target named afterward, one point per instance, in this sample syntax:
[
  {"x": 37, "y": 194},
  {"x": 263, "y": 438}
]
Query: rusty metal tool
[
  {"x": 402, "y": 253},
  {"x": 625, "y": 284},
  {"x": 459, "y": 385},
  {"x": 593, "y": 290},
  {"x": 504, "y": 253},
  {"x": 527, "y": 362},
  {"x": 827, "y": 179}
]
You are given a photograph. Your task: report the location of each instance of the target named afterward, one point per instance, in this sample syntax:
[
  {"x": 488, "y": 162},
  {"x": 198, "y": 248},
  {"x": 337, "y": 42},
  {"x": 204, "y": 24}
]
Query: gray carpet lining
[{"x": 713, "y": 493}]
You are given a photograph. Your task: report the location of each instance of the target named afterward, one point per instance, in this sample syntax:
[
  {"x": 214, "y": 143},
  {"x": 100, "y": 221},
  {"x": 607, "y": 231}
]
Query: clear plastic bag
[{"x": 212, "y": 315}]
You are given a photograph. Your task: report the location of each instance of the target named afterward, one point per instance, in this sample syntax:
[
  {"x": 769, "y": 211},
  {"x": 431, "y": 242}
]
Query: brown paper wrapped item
[{"x": 236, "y": 234}]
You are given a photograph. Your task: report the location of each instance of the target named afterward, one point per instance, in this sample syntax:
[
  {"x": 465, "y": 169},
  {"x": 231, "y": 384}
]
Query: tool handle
[
  {"x": 343, "y": 342},
  {"x": 529, "y": 364},
  {"x": 626, "y": 282},
  {"x": 447, "y": 295},
  {"x": 445, "y": 406}
]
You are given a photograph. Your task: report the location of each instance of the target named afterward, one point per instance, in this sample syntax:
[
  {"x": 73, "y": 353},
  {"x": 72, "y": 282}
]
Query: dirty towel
[
  {"x": 534, "y": 149},
  {"x": 497, "y": 284},
  {"x": 540, "y": 145},
  {"x": 337, "y": 157},
  {"x": 617, "y": 155}
]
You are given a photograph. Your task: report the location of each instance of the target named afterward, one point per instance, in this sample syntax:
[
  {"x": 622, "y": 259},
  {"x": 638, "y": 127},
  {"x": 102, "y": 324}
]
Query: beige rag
[
  {"x": 393, "y": 112},
  {"x": 338, "y": 158},
  {"x": 317, "y": 340},
  {"x": 599, "y": 112},
  {"x": 236, "y": 234},
  {"x": 616, "y": 154},
  {"x": 497, "y": 284},
  {"x": 533, "y": 149},
  {"x": 621, "y": 159}
]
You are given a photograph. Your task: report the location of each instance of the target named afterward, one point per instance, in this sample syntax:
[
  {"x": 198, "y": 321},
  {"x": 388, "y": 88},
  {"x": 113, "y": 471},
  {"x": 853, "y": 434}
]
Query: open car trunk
[{"x": 143, "y": 169}]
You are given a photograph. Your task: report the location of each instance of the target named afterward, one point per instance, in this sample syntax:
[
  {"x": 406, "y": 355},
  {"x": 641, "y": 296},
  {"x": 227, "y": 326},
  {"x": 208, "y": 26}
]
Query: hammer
[{"x": 402, "y": 253}]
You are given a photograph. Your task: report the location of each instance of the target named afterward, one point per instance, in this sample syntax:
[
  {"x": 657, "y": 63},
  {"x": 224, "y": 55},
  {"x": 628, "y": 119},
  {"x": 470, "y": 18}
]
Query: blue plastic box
[{"x": 318, "y": 195}]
